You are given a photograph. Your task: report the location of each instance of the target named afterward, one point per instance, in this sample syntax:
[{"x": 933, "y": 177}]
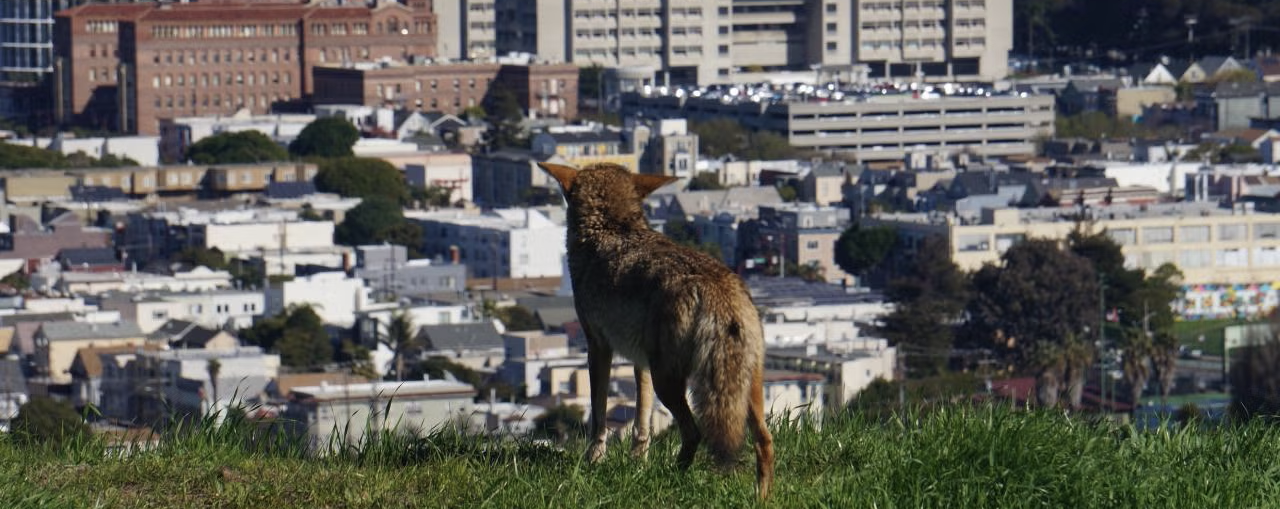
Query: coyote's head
[{"x": 604, "y": 195}]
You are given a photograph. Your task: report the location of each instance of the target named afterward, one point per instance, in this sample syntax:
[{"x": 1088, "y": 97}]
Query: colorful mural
[{"x": 1227, "y": 301}]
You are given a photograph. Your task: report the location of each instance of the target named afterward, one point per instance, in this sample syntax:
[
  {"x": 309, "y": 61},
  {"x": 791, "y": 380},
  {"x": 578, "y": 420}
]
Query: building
[
  {"x": 199, "y": 279},
  {"x": 160, "y": 387},
  {"x": 543, "y": 90},
  {"x": 216, "y": 309},
  {"x": 529, "y": 354},
  {"x": 664, "y": 146},
  {"x": 794, "y": 395},
  {"x": 334, "y": 296},
  {"x": 698, "y": 42},
  {"x": 1229, "y": 257},
  {"x": 878, "y": 127},
  {"x": 178, "y": 133},
  {"x": 35, "y": 244},
  {"x": 57, "y": 343},
  {"x": 160, "y": 234},
  {"x": 803, "y": 234},
  {"x": 334, "y": 416},
  {"x": 387, "y": 270},
  {"x": 468, "y": 31},
  {"x": 847, "y": 367},
  {"x": 477, "y": 345},
  {"x": 584, "y": 147},
  {"x": 123, "y": 67},
  {"x": 450, "y": 171},
  {"x": 500, "y": 243},
  {"x": 185, "y": 335},
  {"x": 511, "y": 178}
]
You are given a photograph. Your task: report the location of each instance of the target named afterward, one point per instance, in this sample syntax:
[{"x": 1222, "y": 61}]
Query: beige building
[
  {"x": 847, "y": 367},
  {"x": 703, "y": 42},
  {"x": 467, "y": 31},
  {"x": 57, "y": 344},
  {"x": 1130, "y": 101},
  {"x": 338, "y": 415},
  {"x": 1229, "y": 257}
]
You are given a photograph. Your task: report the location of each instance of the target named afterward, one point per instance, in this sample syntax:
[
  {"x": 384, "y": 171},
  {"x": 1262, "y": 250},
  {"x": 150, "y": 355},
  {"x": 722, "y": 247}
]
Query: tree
[
  {"x": 767, "y": 146},
  {"x": 45, "y": 421},
  {"x": 1034, "y": 309},
  {"x": 304, "y": 344},
  {"x": 202, "y": 257},
  {"x": 928, "y": 299},
  {"x": 362, "y": 177},
  {"x": 401, "y": 338},
  {"x": 859, "y": 249},
  {"x": 684, "y": 233},
  {"x": 1255, "y": 376},
  {"x": 214, "y": 368},
  {"x": 719, "y": 137},
  {"x": 236, "y": 148},
  {"x": 506, "y": 117},
  {"x": 518, "y": 318},
  {"x": 376, "y": 220},
  {"x": 705, "y": 181},
  {"x": 432, "y": 196},
  {"x": 325, "y": 137}
]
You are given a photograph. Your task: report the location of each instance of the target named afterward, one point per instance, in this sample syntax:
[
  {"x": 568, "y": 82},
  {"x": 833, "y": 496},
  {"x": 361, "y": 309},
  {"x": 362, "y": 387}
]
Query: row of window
[
  {"x": 222, "y": 31},
  {"x": 217, "y": 101},
  {"x": 1194, "y": 234},
  {"x": 216, "y": 79},
  {"x": 180, "y": 57},
  {"x": 101, "y": 26}
]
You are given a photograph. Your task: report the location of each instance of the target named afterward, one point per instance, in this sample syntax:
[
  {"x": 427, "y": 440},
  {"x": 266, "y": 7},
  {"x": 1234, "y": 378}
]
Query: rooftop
[
  {"x": 60, "y": 331},
  {"x": 365, "y": 391}
]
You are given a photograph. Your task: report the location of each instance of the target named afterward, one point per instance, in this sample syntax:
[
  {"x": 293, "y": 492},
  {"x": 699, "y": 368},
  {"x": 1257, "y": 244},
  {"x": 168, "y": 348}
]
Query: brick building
[
  {"x": 543, "y": 90},
  {"x": 123, "y": 67}
]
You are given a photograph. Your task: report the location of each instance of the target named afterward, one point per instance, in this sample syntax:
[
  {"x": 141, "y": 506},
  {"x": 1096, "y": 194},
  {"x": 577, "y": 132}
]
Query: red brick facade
[
  {"x": 543, "y": 90},
  {"x": 205, "y": 59}
]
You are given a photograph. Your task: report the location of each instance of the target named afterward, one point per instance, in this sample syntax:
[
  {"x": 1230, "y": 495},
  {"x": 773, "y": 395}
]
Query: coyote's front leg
[
  {"x": 599, "y": 363},
  {"x": 644, "y": 413}
]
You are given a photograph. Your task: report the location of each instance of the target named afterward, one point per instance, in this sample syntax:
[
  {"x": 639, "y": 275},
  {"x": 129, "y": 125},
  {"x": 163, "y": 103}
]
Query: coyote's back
[{"x": 673, "y": 310}]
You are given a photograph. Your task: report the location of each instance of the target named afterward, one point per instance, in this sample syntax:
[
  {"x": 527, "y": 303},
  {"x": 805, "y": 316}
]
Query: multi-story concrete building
[
  {"x": 530, "y": 354},
  {"x": 123, "y": 67},
  {"x": 389, "y": 273},
  {"x": 467, "y": 30},
  {"x": 803, "y": 234},
  {"x": 501, "y": 243},
  {"x": 157, "y": 387},
  {"x": 664, "y": 146},
  {"x": 57, "y": 343},
  {"x": 511, "y": 178},
  {"x": 702, "y": 42},
  {"x": 335, "y": 297},
  {"x": 160, "y": 234},
  {"x": 1229, "y": 257},
  {"x": 875, "y": 127}
]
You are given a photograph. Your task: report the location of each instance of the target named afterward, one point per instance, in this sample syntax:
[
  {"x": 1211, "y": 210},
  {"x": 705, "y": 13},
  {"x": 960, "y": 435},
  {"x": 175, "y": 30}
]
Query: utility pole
[{"x": 1102, "y": 341}]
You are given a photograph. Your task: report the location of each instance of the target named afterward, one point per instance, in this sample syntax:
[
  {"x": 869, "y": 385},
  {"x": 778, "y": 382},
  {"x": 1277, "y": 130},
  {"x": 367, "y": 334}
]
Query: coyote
[{"x": 677, "y": 313}]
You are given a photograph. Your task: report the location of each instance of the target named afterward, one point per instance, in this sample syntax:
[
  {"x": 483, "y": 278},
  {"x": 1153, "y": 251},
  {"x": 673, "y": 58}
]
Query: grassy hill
[{"x": 955, "y": 458}]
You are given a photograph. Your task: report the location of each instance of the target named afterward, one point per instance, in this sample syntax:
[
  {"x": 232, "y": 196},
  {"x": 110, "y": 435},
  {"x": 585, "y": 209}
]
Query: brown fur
[{"x": 677, "y": 313}]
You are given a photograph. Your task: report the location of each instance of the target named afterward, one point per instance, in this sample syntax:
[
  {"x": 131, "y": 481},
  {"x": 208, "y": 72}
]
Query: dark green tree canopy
[
  {"x": 297, "y": 334},
  {"x": 325, "y": 137},
  {"x": 722, "y": 136},
  {"x": 929, "y": 298},
  {"x": 859, "y": 250},
  {"x": 45, "y": 421},
  {"x": 236, "y": 148},
  {"x": 377, "y": 220},
  {"x": 506, "y": 117},
  {"x": 362, "y": 177}
]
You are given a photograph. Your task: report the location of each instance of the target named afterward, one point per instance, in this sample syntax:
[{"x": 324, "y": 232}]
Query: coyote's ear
[
  {"x": 646, "y": 184},
  {"x": 565, "y": 175}
]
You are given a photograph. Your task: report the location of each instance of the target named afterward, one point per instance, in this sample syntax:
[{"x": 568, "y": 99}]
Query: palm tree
[
  {"x": 1077, "y": 357},
  {"x": 1135, "y": 362},
  {"x": 214, "y": 368},
  {"x": 1164, "y": 359},
  {"x": 1049, "y": 362},
  {"x": 401, "y": 337}
]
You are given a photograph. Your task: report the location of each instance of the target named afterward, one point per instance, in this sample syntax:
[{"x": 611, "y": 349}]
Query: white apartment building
[
  {"x": 500, "y": 243},
  {"x": 848, "y": 367},
  {"x": 465, "y": 29},
  {"x": 326, "y": 413},
  {"x": 704, "y": 42},
  {"x": 448, "y": 170},
  {"x": 152, "y": 385},
  {"x": 795, "y": 395},
  {"x": 199, "y": 279},
  {"x": 160, "y": 234},
  {"x": 1229, "y": 257},
  {"x": 334, "y": 296},
  {"x": 213, "y": 309}
]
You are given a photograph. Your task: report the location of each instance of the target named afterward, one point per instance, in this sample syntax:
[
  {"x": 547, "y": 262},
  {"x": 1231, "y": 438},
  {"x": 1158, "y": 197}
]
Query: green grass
[
  {"x": 1189, "y": 332},
  {"x": 956, "y": 457}
]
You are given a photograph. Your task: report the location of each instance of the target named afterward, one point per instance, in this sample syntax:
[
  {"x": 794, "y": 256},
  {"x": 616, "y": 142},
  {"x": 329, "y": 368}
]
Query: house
[
  {"x": 1083, "y": 95},
  {"x": 1210, "y": 67},
  {"x": 185, "y": 335},
  {"x": 1166, "y": 72},
  {"x": 497, "y": 243},
  {"x": 822, "y": 184},
  {"x": 86, "y": 371},
  {"x": 530, "y": 353},
  {"x": 332, "y": 416},
  {"x": 89, "y": 259},
  {"x": 585, "y": 147},
  {"x": 445, "y": 170},
  {"x": 33, "y": 242},
  {"x": 214, "y": 309},
  {"x": 552, "y": 311},
  {"x": 846, "y": 367},
  {"x": 181, "y": 385},
  {"x": 281, "y": 387},
  {"x": 665, "y": 146},
  {"x": 511, "y": 177},
  {"x": 13, "y": 391},
  {"x": 57, "y": 343},
  {"x": 387, "y": 270},
  {"x": 334, "y": 296},
  {"x": 478, "y": 346},
  {"x": 798, "y": 233},
  {"x": 1231, "y": 104},
  {"x": 794, "y": 395}
]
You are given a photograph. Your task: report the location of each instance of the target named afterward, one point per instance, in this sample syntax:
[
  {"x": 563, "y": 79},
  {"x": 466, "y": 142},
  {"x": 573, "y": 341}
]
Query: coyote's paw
[
  {"x": 640, "y": 448},
  {"x": 595, "y": 452}
]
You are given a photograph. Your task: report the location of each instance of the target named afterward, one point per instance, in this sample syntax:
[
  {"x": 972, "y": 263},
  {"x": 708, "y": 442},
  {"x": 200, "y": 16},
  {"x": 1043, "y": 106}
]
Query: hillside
[{"x": 963, "y": 457}]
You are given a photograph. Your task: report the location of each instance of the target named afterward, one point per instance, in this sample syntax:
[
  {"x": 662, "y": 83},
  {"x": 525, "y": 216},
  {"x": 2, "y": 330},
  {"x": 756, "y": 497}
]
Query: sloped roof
[
  {"x": 556, "y": 316},
  {"x": 463, "y": 336},
  {"x": 1212, "y": 64},
  {"x": 184, "y": 334},
  {"x": 749, "y": 198},
  {"x": 284, "y": 384},
  {"x": 577, "y": 138},
  {"x": 59, "y": 331},
  {"x": 74, "y": 256}
]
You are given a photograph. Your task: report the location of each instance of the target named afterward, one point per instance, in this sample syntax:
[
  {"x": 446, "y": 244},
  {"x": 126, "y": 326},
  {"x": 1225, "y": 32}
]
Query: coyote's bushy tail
[{"x": 730, "y": 349}]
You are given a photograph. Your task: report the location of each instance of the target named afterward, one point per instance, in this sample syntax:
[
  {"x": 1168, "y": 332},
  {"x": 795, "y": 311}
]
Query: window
[
  {"x": 813, "y": 244},
  {"x": 973, "y": 243},
  {"x": 1122, "y": 236},
  {"x": 1193, "y": 234},
  {"x": 1232, "y": 232},
  {"x": 724, "y": 49},
  {"x": 1266, "y": 231},
  {"x": 1157, "y": 235},
  {"x": 831, "y": 8}
]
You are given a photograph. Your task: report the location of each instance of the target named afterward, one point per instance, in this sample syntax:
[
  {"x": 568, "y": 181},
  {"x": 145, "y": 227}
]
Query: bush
[{"x": 45, "y": 421}]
